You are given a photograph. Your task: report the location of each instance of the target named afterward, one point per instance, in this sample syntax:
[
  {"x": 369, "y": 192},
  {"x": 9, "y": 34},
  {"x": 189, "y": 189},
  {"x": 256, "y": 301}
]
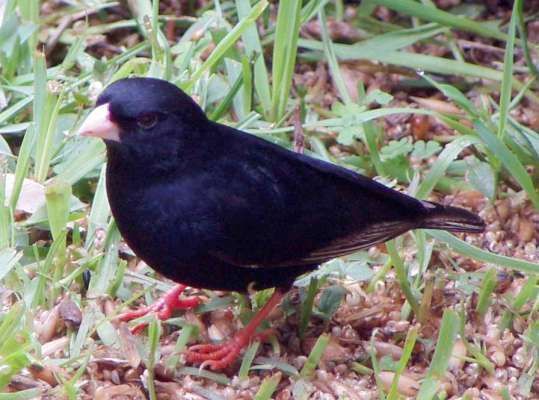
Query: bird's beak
[{"x": 99, "y": 124}]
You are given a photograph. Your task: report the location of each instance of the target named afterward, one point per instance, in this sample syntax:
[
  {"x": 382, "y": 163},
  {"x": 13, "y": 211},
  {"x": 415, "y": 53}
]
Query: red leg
[
  {"x": 220, "y": 356},
  {"x": 169, "y": 302}
]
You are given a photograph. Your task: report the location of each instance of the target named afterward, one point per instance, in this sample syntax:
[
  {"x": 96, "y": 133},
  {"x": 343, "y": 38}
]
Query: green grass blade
[
  {"x": 100, "y": 212},
  {"x": 23, "y": 165},
  {"x": 202, "y": 373},
  {"x": 27, "y": 394},
  {"x": 284, "y": 55},
  {"x": 307, "y": 307},
  {"x": 409, "y": 344},
  {"x": 432, "y": 14},
  {"x": 314, "y": 356},
  {"x": 450, "y": 152},
  {"x": 103, "y": 277},
  {"x": 90, "y": 158},
  {"x": 228, "y": 41},
  {"x": 247, "y": 361},
  {"x": 444, "y": 348},
  {"x": 505, "y": 91},
  {"x": 268, "y": 386},
  {"x": 487, "y": 288},
  {"x": 58, "y": 194},
  {"x": 509, "y": 161},
  {"x": 418, "y": 62},
  {"x": 331, "y": 58},
  {"x": 519, "y": 5},
  {"x": 388, "y": 42},
  {"x": 154, "y": 333},
  {"x": 402, "y": 276},
  {"x": 254, "y": 50},
  {"x": 8, "y": 260},
  {"x": 467, "y": 250}
]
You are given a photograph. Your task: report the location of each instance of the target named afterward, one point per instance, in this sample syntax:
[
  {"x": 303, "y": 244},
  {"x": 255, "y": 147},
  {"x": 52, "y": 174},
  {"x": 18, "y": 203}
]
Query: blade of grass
[
  {"x": 23, "y": 165},
  {"x": 487, "y": 287},
  {"x": 37, "y": 297},
  {"x": 524, "y": 38},
  {"x": 254, "y": 50},
  {"x": 58, "y": 194},
  {"x": 440, "y": 360},
  {"x": 154, "y": 333},
  {"x": 8, "y": 259},
  {"x": 372, "y": 131},
  {"x": 27, "y": 394},
  {"x": 247, "y": 361},
  {"x": 509, "y": 161},
  {"x": 224, "y": 105},
  {"x": 103, "y": 276},
  {"x": 418, "y": 62},
  {"x": 528, "y": 292},
  {"x": 202, "y": 373},
  {"x": 507, "y": 80},
  {"x": 314, "y": 356},
  {"x": 6, "y": 216},
  {"x": 229, "y": 40},
  {"x": 85, "y": 328},
  {"x": 391, "y": 41},
  {"x": 44, "y": 145},
  {"x": 376, "y": 366},
  {"x": 467, "y": 250},
  {"x": 268, "y": 386},
  {"x": 90, "y": 158},
  {"x": 449, "y": 153},
  {"x": 331, "y": 58},
  {"x": 247, "y": 92},
  {"x": 310, "y": 9},
  {"x": 10, "y": 111},
  {"x": 402, "y": 276},
  {"x": 186, "y": 333},
  {"x": 432, "y": 14},
  {"x": 409, "y": 344},
  {"x": 284, "y": 55},
  {"x": 100, "y": 212},
  {"x": 307, "y": 307}
]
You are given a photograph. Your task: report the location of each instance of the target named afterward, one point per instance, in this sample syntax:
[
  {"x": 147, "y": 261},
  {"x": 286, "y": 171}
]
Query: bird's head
[{"x": 138, "y": 113}]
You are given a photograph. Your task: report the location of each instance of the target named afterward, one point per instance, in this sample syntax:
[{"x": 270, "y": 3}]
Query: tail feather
[{"x": 452, "y": 219}]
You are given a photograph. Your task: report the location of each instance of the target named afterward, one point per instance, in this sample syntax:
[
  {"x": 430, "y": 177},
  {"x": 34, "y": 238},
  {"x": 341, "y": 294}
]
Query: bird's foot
[
  {"x": 220, "y": 356},
  {"x": 163, "y": 307}
]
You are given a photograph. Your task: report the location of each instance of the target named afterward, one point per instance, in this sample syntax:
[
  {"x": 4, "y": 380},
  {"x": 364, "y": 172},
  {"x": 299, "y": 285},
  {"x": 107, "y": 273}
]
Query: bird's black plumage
[{"x": 213, "y": 207}]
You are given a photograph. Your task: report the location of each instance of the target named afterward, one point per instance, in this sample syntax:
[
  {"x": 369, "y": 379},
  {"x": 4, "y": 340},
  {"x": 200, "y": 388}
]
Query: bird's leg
[
  {"x": 220, "y": 356},
  {"x": 163, "y": 307}
]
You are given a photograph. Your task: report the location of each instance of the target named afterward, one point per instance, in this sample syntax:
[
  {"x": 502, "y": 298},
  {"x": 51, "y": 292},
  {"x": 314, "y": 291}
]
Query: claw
[
  {"x": 220, "y": 356},
  {"x": 216, "y": 357},
  {"x": 163, "y": 307}
]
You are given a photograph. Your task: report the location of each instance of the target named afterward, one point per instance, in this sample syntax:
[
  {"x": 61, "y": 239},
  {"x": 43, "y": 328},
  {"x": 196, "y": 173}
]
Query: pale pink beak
[{"x": 99, "y": 124}]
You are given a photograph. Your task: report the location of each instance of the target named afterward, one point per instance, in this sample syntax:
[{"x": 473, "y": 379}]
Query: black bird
[{"x": 213, "y": 207}]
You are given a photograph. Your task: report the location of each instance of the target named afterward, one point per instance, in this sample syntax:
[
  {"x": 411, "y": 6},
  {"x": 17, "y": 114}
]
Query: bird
[{"x": 212, "y": 207}]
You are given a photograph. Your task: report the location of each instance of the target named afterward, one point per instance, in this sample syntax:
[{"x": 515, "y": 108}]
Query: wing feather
[{"x": 372, "y": 235}]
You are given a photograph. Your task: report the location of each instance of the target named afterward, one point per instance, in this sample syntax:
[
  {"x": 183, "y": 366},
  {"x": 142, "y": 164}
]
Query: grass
[{"x": 244, "y": 62}]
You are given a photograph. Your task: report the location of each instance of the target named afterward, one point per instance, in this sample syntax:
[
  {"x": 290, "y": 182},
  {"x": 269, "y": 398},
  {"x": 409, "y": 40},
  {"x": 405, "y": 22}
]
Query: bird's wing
[
  {"x": 280, "y": 208},
  {"x": 374, "y": 234}
]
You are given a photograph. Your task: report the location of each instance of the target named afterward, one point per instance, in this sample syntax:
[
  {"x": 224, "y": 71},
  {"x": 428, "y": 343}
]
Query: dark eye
[{"x": 147, "y": 121}]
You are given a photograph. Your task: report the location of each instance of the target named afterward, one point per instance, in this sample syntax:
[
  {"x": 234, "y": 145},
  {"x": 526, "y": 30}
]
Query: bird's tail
[{"x": 452, "y": 219}]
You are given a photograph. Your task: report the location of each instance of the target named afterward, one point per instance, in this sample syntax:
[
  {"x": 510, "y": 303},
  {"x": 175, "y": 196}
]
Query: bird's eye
[{"x": 147, "y": 121}]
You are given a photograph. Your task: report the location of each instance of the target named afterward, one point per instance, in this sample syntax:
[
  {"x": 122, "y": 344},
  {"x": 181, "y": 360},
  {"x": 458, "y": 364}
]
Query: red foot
[
  {"x": 220, "y": 356},
  {"x": 169, "y": 302}
]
